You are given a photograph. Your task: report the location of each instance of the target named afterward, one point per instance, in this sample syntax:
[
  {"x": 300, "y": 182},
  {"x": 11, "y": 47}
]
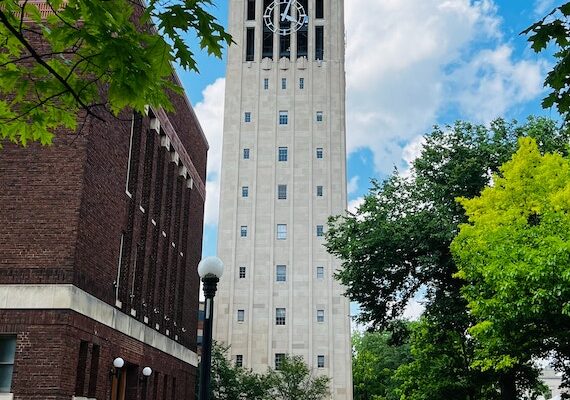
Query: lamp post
[
  {"x": 147, "y": 371},
  {"x": 210, "y": 270}
]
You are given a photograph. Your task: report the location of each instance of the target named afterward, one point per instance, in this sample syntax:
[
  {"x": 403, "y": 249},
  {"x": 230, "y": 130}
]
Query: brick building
[{"x": 100, "y": 238}]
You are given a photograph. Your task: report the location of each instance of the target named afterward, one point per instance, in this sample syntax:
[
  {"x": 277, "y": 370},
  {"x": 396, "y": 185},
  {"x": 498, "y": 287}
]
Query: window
[
  {"x": 7, "y": 354},
  {"x": 280, "y": 314},
  {"x": 285, "y": 23},
  {"x": 239, "y": 360},
  {"x": 281, "y": 273},
  {"x": 250, "y": 44},
  {"x": 245, "y": 191},
  {"x": 301, "y": 83},
  {"x": 303, "y": 40},
  {"x": 250, "y": 10},
  {"x": 319, "y": 191},
  {"x": 283, "y": 117},
  {"x": 281, "y": 231},
  {"x": 241, "y": 315},
  {"x": 282, "y": 154},
  {"x": 278, "y": 360},
  {"x": 320, "y": 272},
  {"x": 320, "y": 315},
  {"x": 320, "y": 361},
  {"x": 319, "y": 116},
  {"x": 320, "y": 9},
  {"x": 281, "y": 192},
  {"x": 246, "y": 154},
  {"x": 243, "y": 231},
  {"x": 266, "y": 84},
  {"x": 320, "y": 231},
  {"x": 247, "y": 116},
  {"x": 319, "y": 152},
  {"x": 283, "y": 83},
  {"x": 242, "y": 272},
  {"x": 319, "y": 42},
  {"x": 267, "y": 45}
]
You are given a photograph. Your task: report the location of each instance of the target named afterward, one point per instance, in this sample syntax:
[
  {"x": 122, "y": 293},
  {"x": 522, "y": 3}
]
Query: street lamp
[
  {"x": 210, "y": 270},
  {"x": 146, "y": 372}
]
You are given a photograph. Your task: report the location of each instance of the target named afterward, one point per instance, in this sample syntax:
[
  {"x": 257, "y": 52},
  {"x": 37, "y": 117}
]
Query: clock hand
[
  {"x": 286, "y": 12},
  {"x": 290, "y": 18}
]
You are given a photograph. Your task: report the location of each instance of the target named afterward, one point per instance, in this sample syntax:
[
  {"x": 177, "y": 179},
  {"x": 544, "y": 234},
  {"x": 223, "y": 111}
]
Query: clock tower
[{"x": 283, "y": 175}]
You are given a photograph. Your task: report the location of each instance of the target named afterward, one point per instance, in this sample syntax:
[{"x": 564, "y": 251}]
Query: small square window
[
  {"x": 246, "y": 154},
  {"x": 239, "y": 360},
  {"x": 319, "y": 116},
  {"x": 320, "y": 361},
  {"x": 243, "y": 231},
  {"x": 278, "y": 360},
  {"x": 247, "y": 117},
  {"x": 281, "y": 231},
  {"x": 301, "y": 83},
  {"x": 242, "y": 272},
  {"x": 281, "y": 192},
  {"x": 241, "y": 315},
  {"x": 281, "y": 273},
  {"x": 319, "y": 191},
  {"x": 245, "y": 191},
  {"x": 319, "y": 152},
  {"x": 280, "y": 316},
  {"x": 320, "y": 272},
  {"x": 320, "y": 231},
  {"x": 320, "y": 315},
  {"x": 283, "y": 83},
  {"x": 266, "y": 84},
  {"x": 283, "y": 117},
  {"x": 282, "y": 155}
]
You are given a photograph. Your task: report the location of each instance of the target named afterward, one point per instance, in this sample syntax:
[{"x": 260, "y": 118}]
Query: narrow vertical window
[
  {"x": 281, "y": 192},
  {"x": 267, "y": 44},
  {"x": 117, "y": 281},
  {"x": 266, "y": 84},
  {"x": 250, "y": 44},
  {"x": 250, "y": 10},
  {"x": 319, "y": 116},
  {"x": 301, "y": 83},
  {"x": 320, "y": 272},
  {"x": 320, "y": 361},
  {"x": 283, "y": 117},
  {"x": 281, "y": 273},
  {"x": 242, "y": 272},
  {"x": 247, "y": 117},
  {"x": 283, "y": 83},
  {"x": 320, "y": 231},
  {"x": 239, "y": 360},
  {"x": 319, "y": 191},
  {"x": 303, "y": 41},
  {"x": 7, "y": 355},
  {"x": 319, "y": 43},
  {"x": 320, "y": 315},
  {"x": 281, "y": 231},
  {"x": 280, "y": 316},
  {"x": 245, "y": 191},
  {"x": 241, "y": 315},
  {"x": 81, "y": 368},
  {"x": 320, "y": 9},
  {"x": 282, "y": 154},
  {"x": 285, "y": 23},
  {"x": 243, "y": 231},
  {"x": 93, "y": 371},
  {"x": 278, "y": 360},
  {"x": 246, "y": 154},
  {"x": 319, "y": 152}
]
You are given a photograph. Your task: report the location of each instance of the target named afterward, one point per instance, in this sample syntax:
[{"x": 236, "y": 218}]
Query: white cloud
[
  {"x": 352, "y": 186},
  {"x": 414, "y": 309},
  {"x": 354, "y": 204},
  {"x": 541, "y": 7},
  {"x": 210, "y": 112},
  {"x": 409, "y": 61}
]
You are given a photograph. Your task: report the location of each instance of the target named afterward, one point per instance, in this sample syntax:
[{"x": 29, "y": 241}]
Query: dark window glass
[
  {"x": 250, "y": 10},
  {"x": 94, "y": 372},
  {"x": 246, "y": 154},
  {"x": 81, "y": 368},
  {"x": 7, "y": 354},
  {"x": 320, "y": 9},
  {"x": 305, "y": 5},
  {"x": 284, "y": 46},
  {"x": 239, "y": 360},
  {"x": 319, "y": 42},
  {"x": 320, "y": 361},
  {"x": 278, "y": 360},
  {"x": 303, "y": 41},
  {"x": 250, "y": 44},
  {"x": 267, "y": 36}
]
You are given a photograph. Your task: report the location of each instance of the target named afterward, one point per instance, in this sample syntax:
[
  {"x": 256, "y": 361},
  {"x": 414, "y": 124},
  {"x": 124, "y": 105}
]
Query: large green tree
[
  {"x": 397, "y": 243},
  {"x": 295, "y": 381},
  {"x": 514, "y": 254},
  {"x": 92, "y": 59}
]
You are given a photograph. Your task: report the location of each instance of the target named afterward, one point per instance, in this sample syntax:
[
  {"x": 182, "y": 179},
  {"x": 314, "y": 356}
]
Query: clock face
[{"x": 287, "y": 24}]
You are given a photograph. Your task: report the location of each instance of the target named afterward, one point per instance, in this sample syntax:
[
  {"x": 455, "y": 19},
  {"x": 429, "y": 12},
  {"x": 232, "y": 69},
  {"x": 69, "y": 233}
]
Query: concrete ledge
[
  {"x": 69, "y": 297},
  {"x": 6, "y": 396}
]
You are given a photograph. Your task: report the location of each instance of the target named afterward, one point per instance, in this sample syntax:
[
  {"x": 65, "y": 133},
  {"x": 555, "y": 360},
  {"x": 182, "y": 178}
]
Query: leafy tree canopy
[
  {"x": 93, "y": 58},
  {"x": 295, "y": 381}
]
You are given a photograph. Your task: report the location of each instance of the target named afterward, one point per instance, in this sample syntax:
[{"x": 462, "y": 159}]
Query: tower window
[
  {"x": 283, "y": 117},
  {"x": 319, "y": 116},
  {"x": 284, "y": 23},
  {"x": 7, "y": 354},
  {"x": 245, "y": 191},
  {"x": 320, "y": 9},
  {"x": 250, "y": 44},
  {"x": 241, "y": 315},
  {"x": 319, "y": 191},
  {"x": 246, "y": 154},
  {"x": 239, "y": 360},
  {"x": 243, "y": 231},
  {"x": 320, "y": 315},
  {"x": 303, "y": 41},
  {"x": 320, "y": 272},
  {"x": 267, "y": 51},
  {"x": 320, "y": 361},
  {"x": 283, "y": 83},
  {"x": 266, "y": 84},
  {"x": 320, "y": 231},
  {"x": 319, "y": 152},
  {"x": 319, "y": 42},
  {"x": 247, "y": 116},
  {"x": 250, "y": 10},
  {"x": 301, "y": 83},
  {"x": 281, "y": 231},
  {"x": 278, "y": 360},
  {"x": 282, "y": 154},
  {"x": 280, "y": 316},
  {"x": 281, "y": 273},
  {"x": 242, "y": 272},
  {"x": 281, "y": 192}
]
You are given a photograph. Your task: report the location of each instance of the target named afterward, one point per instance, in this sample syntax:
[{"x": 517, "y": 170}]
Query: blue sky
[{"x": 410, "y": 64}]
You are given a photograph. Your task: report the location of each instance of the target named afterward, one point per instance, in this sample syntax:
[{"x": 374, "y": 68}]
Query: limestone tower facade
[{"x": 283, "y": 175}]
